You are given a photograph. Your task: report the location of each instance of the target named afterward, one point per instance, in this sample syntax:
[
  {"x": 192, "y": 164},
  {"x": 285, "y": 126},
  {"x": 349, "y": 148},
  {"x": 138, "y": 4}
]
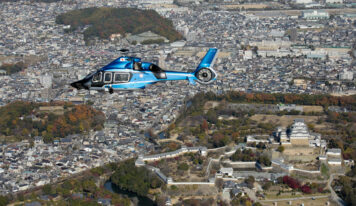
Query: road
[
  {"x": 295, "y": 198},
  {"x": 251, "y": 194},
  {"x": 299, "y": 11}
]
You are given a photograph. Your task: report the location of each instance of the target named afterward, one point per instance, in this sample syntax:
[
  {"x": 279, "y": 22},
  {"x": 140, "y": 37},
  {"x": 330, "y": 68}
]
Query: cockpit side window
[
  {"x": 97, "y": 77},
  {"x": 137, "y": 66},
  {"x": 107, "y": 77}
]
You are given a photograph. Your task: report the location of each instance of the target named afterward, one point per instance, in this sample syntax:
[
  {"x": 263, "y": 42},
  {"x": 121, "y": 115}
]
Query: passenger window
[
  {"x": 121, "y": 77},
  {"x": 97, "y": 77},
  {"x": 107, "y": 77}
]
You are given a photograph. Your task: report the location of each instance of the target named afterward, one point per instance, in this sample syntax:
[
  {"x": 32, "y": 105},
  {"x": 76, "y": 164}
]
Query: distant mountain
[{"x": 105, "y": 21}]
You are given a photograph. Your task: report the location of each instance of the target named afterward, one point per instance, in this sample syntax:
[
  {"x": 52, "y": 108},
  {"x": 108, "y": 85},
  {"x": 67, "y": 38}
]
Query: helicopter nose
[
  {"x": 76, "y": 85},
  {"x": 79, "y": 84}
]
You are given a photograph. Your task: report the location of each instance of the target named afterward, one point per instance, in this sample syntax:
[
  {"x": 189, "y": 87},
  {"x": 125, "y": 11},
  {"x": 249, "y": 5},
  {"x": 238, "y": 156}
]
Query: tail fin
[
  {"x": 208, "y": 60},
  {"x": 204, "y": 73}
]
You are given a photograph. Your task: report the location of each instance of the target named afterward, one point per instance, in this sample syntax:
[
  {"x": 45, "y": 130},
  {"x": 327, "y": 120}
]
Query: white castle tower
[{"x": 299, "y": 134}]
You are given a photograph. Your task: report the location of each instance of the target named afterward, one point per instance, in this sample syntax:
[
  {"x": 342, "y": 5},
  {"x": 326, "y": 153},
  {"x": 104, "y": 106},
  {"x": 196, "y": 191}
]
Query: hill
[
  {"x": 105, "y": 21},
  {"x": 50, "y": 120}
]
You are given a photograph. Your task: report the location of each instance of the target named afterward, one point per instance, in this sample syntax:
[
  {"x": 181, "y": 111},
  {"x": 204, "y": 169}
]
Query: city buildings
[{"x": 315, "y": 14}]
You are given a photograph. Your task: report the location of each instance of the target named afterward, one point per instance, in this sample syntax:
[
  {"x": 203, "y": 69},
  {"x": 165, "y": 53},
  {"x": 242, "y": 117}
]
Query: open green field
[
  {"x": 284, "y": 120},
  {"x": 306, "y": 202}
]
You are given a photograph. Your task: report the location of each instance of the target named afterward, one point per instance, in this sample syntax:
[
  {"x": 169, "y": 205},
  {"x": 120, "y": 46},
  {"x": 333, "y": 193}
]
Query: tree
[
  {"x": 47, "y": 189},
  {"x": 204, "y": 126},
  {"x": 135, "y": 179},
  {"x": 249, "y": 181},
  {"x": 280, "y": 149},
  {"x": 267, "y": 185},
  {"x": 311, "y": 126},
  {"x": 89, "y": 186},
  {"x": 243, "y": 155},
  {"x": 155, "y": 183},
  {"x": 218, "y": 140},
  {"x": 172, "y": 127},
  {"x": 3, "y": 200},
  {"x": 21, "y": 197},
  {"x": 211, "y": 116},
  {"x": 183, "y": 166},
  {"x": 324, "y": 170},
  {"x": 305, "y": 189},
  {"x": 261, "y": 145},
  {"x": 292, "y": 183},
  {"x": 264, "y": 160}
]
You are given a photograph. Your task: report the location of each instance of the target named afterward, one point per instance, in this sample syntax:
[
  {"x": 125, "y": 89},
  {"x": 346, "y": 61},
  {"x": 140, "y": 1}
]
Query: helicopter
[{"x": 130, "y": 73}]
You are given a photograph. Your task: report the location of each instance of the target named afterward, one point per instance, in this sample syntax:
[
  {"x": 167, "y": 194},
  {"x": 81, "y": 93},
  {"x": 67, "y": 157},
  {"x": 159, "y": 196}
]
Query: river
[{"x": 142, "y": 201}]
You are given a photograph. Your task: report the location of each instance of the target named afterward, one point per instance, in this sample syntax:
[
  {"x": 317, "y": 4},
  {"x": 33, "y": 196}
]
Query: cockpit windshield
[
  {"x": 90, "y": 74},
  {"x": 155, "y": 68},
  {"x": 97, "y": 77}
]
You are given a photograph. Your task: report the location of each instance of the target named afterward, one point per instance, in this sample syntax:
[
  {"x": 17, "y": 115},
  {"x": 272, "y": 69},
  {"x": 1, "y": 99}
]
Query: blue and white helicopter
[{"x": 130, "y": 73}]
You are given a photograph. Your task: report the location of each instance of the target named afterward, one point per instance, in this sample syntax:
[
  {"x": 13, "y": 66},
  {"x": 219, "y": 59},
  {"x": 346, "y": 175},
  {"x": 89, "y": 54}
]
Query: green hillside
[
  {"x": 13, "y": 68},
  {"x": 105, "y": 21},
  {"x": 23, "y": 120}
]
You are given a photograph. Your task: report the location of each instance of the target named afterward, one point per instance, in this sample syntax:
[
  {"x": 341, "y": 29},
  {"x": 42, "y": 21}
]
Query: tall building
[
  {"x": 315, "y": 14},
  {"x": 346, "y": 75},
  {"x": 46, "y": 81}
]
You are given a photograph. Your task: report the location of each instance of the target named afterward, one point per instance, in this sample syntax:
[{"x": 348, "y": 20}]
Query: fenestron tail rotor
[{"x": 204, "y": 75}]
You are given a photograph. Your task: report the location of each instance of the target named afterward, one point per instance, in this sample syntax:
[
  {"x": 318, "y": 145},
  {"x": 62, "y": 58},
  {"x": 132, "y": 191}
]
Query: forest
[
  {"x": 24, "y": 120},
  {"x": 324, "y": 100},
  {"x": 77, "y": 190},
  {"x": 248, "y": 155},
  {"x": 105, "y": 21},
  {"x": 135, "y": 179},
  {"x": 196, "y": 104},
  {"x": 13, "y": 68}
]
